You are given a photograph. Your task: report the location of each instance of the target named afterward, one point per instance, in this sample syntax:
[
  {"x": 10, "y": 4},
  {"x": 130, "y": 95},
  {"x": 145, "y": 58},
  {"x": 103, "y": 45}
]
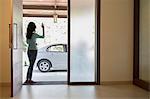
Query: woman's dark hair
[{"x": 30, "y": 29}]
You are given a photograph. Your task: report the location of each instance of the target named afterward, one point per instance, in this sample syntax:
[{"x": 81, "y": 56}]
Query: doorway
[
  {"x": 51, "y": 62},
  {"x": 83, "y": 44}
]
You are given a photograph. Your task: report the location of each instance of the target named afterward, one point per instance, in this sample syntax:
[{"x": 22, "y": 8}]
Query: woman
[{"x": 32, "y": 48}]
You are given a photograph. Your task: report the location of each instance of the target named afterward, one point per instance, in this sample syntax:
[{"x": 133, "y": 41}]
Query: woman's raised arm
[{"x": 43, "y": 30}]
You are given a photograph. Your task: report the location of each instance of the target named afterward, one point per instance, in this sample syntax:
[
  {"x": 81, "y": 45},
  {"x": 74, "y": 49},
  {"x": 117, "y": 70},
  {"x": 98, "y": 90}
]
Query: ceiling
[
  {"x": 44, "y": 8},
  {"x": 45, "y": 2}
]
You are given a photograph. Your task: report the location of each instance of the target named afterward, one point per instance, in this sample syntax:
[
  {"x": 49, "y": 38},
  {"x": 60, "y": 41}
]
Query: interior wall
[
  {"x": 4, "y": 41},
  {"x": 116, "y": 40}
]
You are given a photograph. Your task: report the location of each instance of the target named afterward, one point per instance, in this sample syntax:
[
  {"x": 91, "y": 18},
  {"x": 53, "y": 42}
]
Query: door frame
[
  {"x": 136, "y": 80},
  {"x": 97, "y": 28}
]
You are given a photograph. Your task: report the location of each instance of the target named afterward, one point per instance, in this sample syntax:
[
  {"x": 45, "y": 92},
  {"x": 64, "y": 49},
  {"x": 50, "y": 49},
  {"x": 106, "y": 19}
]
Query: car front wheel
[{"x": 44, "y": 65}]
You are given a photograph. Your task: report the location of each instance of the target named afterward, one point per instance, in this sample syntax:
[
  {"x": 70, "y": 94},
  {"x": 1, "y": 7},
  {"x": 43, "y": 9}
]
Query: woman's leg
[{"x": 32, "y": 57}]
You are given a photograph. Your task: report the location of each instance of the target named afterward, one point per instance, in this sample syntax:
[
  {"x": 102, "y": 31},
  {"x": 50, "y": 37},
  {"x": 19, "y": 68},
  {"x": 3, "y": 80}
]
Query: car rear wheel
[{"x": 44, "y": 65}]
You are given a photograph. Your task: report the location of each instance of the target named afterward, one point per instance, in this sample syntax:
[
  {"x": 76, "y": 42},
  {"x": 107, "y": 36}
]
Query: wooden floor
[{"x": 77, "y": 92}]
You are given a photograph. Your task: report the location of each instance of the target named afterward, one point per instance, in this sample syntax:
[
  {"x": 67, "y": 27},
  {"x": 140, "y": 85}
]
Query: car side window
[{"x": 56, "y": 48}]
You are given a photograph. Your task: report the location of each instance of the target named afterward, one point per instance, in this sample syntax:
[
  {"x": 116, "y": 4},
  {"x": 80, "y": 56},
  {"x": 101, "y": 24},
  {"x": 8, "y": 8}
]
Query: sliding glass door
[
  {"x": 142, "y": 44},
  {"x": 83, "y": 41}
]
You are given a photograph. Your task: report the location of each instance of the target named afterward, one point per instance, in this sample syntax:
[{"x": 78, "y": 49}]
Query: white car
[{"x": 53, "y": 57}]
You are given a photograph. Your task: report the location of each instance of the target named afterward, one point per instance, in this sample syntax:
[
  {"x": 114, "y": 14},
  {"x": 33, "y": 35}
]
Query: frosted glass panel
[
  {"x": 82, "y": 49},
  {"x": 144, "y": 40}
]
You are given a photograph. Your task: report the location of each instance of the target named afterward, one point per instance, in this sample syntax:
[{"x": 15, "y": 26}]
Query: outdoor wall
[
  {"x": 116, "y": 40},
  {"x": 4, "y": 41}
]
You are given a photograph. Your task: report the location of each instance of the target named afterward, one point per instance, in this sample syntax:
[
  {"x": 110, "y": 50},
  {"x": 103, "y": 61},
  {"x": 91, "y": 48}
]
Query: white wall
[{"x": 116, "y": 40}]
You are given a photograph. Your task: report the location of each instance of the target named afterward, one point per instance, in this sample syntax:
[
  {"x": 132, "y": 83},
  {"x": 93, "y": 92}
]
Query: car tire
[{"x": 44, "y": 65}]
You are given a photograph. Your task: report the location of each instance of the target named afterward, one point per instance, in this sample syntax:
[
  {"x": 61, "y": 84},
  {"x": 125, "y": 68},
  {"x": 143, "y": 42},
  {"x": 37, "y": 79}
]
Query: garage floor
[{"x": 46, "y": 77}]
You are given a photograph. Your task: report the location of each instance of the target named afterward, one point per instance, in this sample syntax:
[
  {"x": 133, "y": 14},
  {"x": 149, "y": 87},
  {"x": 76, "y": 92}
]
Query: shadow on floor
[
  {"x": 48, "y": 83},
  {"x": 52, "y": 71}
]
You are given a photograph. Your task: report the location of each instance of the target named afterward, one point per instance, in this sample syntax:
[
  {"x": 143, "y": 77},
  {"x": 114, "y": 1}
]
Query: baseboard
[
  {"x": 116, "y": 82},
  {"x": 5, "y": 84}
]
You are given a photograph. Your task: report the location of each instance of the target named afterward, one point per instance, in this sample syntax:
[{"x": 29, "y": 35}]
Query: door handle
[
  {"x": 13, "y": 37},
  {"x": 10, "y": 35}
]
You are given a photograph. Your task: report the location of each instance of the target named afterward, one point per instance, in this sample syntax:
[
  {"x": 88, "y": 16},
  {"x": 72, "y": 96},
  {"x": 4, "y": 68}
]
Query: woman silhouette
[{"x": 32, "y": 48}]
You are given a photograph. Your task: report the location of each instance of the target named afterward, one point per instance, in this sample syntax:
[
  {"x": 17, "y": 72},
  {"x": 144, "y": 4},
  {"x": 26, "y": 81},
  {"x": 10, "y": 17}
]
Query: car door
[{"x": 58, "y": 56}]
